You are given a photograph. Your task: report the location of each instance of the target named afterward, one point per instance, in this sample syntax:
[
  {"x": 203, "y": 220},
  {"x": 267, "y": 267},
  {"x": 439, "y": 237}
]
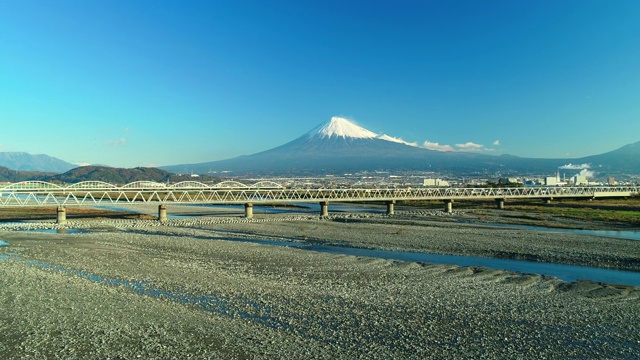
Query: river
[{"x": 568, "y": 273}]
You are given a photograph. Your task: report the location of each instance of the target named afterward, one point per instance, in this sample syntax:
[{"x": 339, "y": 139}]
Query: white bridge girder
[{"x": 97, "y": 193}]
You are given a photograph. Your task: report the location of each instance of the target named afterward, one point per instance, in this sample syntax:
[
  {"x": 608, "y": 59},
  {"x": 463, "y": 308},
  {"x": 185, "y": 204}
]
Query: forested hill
[
  {"x": 9, "y": 175},
  {"x": 115, "y": 176}
]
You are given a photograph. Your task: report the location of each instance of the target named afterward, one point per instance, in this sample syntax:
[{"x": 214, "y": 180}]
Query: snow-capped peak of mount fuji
[
  {"x": 344, "y": 128},
  {"x": 341, "y": 127}
]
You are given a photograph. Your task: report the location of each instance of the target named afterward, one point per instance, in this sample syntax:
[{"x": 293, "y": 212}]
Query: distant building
[
  {"x": 551, "y": 181},
  {"x": 554, "y": 180},
  {"x": 436, "y": 182},
  {"x": 580, "y": 180},
  {"x": 611, "y": 181},
  {"x": 507, "y": 181},
  {"x": 478, "y": 182}
]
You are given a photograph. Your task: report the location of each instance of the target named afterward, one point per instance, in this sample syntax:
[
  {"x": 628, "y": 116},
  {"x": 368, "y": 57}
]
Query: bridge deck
[{"x": 35, "y": 193}]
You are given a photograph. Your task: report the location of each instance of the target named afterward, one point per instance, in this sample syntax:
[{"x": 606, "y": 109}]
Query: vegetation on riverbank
[
  {"x": 628, "y": 217},
  {"x": 621, "y": 212}
]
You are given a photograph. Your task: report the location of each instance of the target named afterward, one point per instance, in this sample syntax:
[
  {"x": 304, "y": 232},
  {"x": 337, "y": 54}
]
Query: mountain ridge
[
  {"x": 22, "y": 161},
  {"x": 341, "y": 146},
  {"x": 334, "y": 147}
]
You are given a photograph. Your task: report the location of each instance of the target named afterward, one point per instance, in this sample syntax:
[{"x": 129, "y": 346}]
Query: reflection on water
[
  {"x": 58, "y": 231},
  {"x": 116, "y": 208},
  {"x": 4, "y": 243},
  {"x": 568, "y": 273},
  {"x": 300, "y": 208},
  {"x": 630, "y": 235},
  {"x": 314, "y": 208},
  {"x": 564, "y": 272}
]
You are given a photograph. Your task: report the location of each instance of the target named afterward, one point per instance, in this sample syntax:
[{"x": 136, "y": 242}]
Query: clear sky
[{"x": 148, "y": 83}]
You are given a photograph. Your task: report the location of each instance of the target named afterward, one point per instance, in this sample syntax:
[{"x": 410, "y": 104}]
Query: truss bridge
[{"x": 91, "y": 193}]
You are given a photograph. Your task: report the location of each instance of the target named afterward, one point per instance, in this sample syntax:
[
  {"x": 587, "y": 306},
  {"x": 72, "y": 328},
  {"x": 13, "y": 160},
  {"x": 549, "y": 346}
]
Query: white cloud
[
  {"x": 469, "y": 146},
  {"x": 435, "y": 146},
  {"x": 121, "y": 140},
  {"x": 116, "y": 142},
  {"x": 575, "y": 166},
  {"x": 496, "y": 143},
  {"x": 396, "y": 140}
]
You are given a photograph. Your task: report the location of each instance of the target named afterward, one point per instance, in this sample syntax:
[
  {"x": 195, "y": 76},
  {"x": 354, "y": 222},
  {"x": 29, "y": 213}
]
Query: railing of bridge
[{"x": 38, "y": 193}]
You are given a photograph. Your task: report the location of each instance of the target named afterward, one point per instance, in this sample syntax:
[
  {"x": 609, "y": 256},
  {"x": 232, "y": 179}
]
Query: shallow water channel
[
  {"x": 616, "y": 234},
  {"x": 564, "y": 272},
  {"x": 568, "y": 273},
  {"x": 244, "y": 308}
]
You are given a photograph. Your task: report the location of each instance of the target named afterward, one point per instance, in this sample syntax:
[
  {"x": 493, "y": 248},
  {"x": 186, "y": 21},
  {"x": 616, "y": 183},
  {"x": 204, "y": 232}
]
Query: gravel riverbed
[{"x": 186, "y": 289}]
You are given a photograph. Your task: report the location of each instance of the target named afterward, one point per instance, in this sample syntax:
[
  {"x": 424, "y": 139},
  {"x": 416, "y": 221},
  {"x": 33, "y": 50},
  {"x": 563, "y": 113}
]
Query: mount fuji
[{"x": 340, "y": 146}]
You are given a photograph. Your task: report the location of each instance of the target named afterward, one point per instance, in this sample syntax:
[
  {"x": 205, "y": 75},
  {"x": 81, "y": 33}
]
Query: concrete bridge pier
[
  {"x": 448, "y": 206},
  {"x": 162, "y": 213},
  {"x": 62, "y": 215},
  {"x": 390, "y": 207},
  {"x": 248, "y": 210},
  {"x": 324, "y": 208},
  {"x": 500, "y": 204}
]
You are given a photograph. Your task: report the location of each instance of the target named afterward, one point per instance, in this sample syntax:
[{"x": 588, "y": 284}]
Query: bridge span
[{"x": 92, "y": 193}]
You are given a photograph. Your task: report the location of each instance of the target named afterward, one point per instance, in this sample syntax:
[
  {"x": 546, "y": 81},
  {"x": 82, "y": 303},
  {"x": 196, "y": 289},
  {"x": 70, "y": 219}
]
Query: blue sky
[{"x": 148, "y": 83}]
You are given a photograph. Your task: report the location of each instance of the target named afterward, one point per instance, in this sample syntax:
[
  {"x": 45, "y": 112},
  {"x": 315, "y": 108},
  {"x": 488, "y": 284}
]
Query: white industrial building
[
  {"x": 580, "y": 180},
  {"x": 554, "y": 180},
  {"x": 436, "y": 182}
]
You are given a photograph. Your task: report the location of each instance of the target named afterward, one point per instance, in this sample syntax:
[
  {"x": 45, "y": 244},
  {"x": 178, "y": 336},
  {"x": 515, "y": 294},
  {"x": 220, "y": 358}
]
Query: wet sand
[{"x": 134, "y": 288}]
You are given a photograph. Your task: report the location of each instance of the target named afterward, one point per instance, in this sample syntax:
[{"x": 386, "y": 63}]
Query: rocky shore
[{"x": 191, "y": 289}]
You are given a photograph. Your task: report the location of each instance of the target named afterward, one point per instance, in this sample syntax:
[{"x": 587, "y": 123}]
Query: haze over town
[{"x": 149, "y": 84}]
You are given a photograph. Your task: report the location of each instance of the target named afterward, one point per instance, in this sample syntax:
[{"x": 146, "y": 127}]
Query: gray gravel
[{"x": 138, "y": 289}]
